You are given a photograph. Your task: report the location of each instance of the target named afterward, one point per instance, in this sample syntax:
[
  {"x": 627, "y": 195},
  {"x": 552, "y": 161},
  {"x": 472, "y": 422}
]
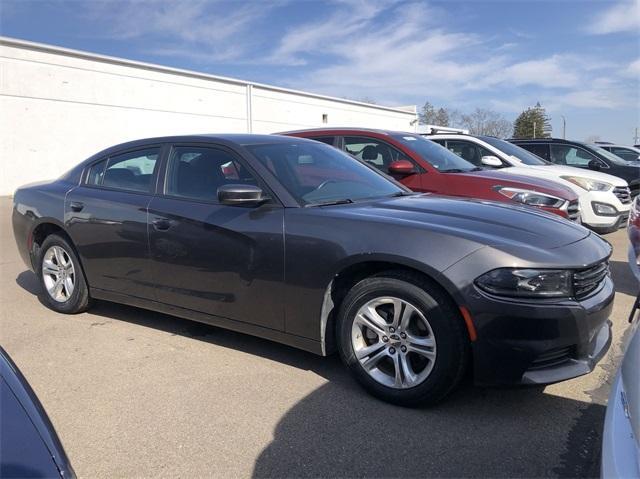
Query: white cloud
[
  {"x": 345, "y": 22},
  {"x": 549, "y": 72},
  {"x": 633, "y": 69},
  {"x": 203, "y": 30},
  {"x": 624, "y": 16},
  {"x": 388, "y": 50}
]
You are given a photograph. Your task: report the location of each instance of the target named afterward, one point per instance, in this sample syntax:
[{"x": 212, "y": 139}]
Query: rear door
[
  {"x": 213, "y": 258},
  {"x": 106, "y": 217}
]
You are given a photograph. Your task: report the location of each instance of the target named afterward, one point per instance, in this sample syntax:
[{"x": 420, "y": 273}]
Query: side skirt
[{"x": 238, "y": 326}]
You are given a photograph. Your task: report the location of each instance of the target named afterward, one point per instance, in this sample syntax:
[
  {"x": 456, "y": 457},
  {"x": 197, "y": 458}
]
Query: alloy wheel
[
  {"x": 58, "y": 274},
  {"x": 394, "y": 342}
]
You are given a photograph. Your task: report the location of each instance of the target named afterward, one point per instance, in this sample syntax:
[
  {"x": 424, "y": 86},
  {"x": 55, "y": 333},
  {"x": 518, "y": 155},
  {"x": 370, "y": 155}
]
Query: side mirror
[
  {"x": 239, "y": 195},
  {"x": 492, "y": 161},
  {"x": 401, "y": 168},
  {"x": 594, "y": 165}
]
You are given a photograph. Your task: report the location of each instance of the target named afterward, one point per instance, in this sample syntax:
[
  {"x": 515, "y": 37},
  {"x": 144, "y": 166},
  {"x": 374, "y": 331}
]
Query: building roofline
[{"x": 46, "y": 48}]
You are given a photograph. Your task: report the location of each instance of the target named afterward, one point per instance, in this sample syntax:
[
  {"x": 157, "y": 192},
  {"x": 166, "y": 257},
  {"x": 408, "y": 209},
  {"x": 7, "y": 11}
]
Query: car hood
[
  {"x": 485, "y": 222},
  {"x": 512, "y": 179},
  {"x": 559, "y": 170}
]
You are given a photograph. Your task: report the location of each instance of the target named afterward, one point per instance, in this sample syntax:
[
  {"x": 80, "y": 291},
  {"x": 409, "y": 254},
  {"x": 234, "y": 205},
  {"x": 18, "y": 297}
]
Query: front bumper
[
  {"x": 524, "y": 342},
  {"x": 589, "y": 216}
]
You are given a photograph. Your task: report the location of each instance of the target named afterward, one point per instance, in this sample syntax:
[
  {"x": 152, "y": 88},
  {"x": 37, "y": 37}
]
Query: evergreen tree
[{"x": 532, "y": 123}]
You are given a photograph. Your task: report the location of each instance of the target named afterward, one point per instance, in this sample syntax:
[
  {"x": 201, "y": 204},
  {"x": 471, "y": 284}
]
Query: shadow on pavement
[
  {"x": 340, "y": 431},
  {"x": 329, "y": 368},
  {"x": 335, "y": 432}
]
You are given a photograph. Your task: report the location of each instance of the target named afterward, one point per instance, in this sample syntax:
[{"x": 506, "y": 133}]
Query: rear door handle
[
  {"x": 76, "y": 206},
  {"x": 161, "y": 224}
]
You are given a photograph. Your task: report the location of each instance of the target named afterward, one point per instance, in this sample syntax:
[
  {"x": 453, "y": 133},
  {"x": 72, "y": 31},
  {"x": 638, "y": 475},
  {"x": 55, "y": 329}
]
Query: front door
[
  {"x": 380, "y": 155},
  {"x": 208, "y": 257}
]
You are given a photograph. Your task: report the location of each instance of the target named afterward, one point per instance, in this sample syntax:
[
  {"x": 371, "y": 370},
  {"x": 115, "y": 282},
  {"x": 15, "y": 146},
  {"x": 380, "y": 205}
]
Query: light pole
[{"x": 564, "y": 127}]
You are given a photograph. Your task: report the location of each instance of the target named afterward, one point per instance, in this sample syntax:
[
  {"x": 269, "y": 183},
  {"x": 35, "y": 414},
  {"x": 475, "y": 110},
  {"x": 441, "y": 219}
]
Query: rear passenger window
[
  {"x": 541, "y": 150},
  {"x": 131, "y": 171},
  {"x": 96, "y": 172}
]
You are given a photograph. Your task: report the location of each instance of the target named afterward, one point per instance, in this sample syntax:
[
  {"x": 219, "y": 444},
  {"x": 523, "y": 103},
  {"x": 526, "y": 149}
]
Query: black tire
[
  {"x": 446, "y": 324},
  {"x": 79, "y": 300}
]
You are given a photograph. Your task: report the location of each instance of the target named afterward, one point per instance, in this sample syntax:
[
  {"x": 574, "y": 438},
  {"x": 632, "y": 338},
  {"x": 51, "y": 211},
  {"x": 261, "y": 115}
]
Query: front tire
[
  {"x": 61, "y": 277},
  {"x": 402, "y": 339}
]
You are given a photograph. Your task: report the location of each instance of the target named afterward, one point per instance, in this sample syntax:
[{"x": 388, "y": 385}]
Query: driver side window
[
  {"x": 571, "y": 156},
  {"x": 469, "y": 151},
  {"x": 373, "y": 152},
  {"x": 197, "y": 172}
]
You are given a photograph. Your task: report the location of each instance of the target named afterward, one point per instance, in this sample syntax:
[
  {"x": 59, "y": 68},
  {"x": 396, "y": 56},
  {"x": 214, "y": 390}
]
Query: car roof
[
  {"x": 229, "y": 139},
  {"x": 457, "y": 135},
  {"x": 238, "y": 138},
  {"x": 336, "y": 130},
  {"x": 617, "y": 145},
  {"x": 547, "y": 140}
]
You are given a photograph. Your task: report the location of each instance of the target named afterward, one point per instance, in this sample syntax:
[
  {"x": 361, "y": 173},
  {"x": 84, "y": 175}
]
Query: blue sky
[{"x": 580, "y": 59}]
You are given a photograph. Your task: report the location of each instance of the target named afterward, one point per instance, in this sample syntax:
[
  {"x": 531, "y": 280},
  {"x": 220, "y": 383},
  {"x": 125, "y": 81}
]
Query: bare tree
[{"x": 487, "y": 122}]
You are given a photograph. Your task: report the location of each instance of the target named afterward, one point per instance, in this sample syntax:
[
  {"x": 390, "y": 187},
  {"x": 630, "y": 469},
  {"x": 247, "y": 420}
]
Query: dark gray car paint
[{"x": 275, "y": 262}]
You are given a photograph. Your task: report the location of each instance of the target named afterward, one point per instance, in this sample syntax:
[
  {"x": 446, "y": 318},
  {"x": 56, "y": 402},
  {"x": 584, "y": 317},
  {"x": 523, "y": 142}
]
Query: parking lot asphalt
[{"x": 137, "y": 393}]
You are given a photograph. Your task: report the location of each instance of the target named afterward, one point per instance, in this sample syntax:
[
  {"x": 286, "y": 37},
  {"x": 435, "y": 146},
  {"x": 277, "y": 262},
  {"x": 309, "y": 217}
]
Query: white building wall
[{"x": 57, "y": 107}]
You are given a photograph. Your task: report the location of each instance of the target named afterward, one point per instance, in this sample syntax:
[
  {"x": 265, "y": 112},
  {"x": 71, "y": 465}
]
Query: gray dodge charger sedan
[{"x": 295, "y": 241}]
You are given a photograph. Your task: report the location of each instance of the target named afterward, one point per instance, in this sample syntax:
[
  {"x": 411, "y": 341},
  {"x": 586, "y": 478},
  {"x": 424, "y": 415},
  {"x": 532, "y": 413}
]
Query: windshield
[
  {"x": 608, "y": 155},
  {"x": 523, "y": 155},
  {"x": 315, "y": 173},
  {"x": 436, "y": 155}
]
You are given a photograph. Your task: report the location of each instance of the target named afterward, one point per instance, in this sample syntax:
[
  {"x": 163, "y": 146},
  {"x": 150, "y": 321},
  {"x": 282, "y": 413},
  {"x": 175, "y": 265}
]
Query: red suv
[{"x": 425, "y": 166}]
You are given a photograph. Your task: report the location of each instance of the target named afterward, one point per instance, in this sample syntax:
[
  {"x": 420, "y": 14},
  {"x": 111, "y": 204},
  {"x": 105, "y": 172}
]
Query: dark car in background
[
  {"x": 627, "y": 153},
  {"x": 29, "y": 445},
  {"x": 425, "y": 166},
  {"x": 584, "y": 155},
  {"x": 295, "y": 241}
]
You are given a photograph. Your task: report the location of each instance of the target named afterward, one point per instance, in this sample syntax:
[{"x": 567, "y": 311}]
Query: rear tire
[
  {"x": 402, "y": 339},
  {"x": 61, "y": 277}
]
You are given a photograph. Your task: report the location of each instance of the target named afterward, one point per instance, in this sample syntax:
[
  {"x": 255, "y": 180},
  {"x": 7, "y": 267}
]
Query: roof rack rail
[{"x": 435, "y": 129}]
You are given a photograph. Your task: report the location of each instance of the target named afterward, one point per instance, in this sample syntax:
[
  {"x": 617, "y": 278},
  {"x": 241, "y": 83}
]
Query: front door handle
[
  {"x": 161, "y": 224},
  {"x": 76, "y": 206}
]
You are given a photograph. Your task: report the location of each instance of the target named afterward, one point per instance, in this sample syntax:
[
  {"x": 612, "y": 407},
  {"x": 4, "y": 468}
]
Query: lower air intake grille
[{"x": 555, "y": 357}]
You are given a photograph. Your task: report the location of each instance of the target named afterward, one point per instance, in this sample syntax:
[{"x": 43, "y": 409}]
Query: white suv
[{"x": 605, "y": 200}]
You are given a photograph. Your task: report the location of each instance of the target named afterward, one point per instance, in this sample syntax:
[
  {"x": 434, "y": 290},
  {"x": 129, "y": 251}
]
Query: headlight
[
  {"x": 547, "y": 283},
  {"x": 588, "y": 184},
  {"x": 531, "y": 198}
]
